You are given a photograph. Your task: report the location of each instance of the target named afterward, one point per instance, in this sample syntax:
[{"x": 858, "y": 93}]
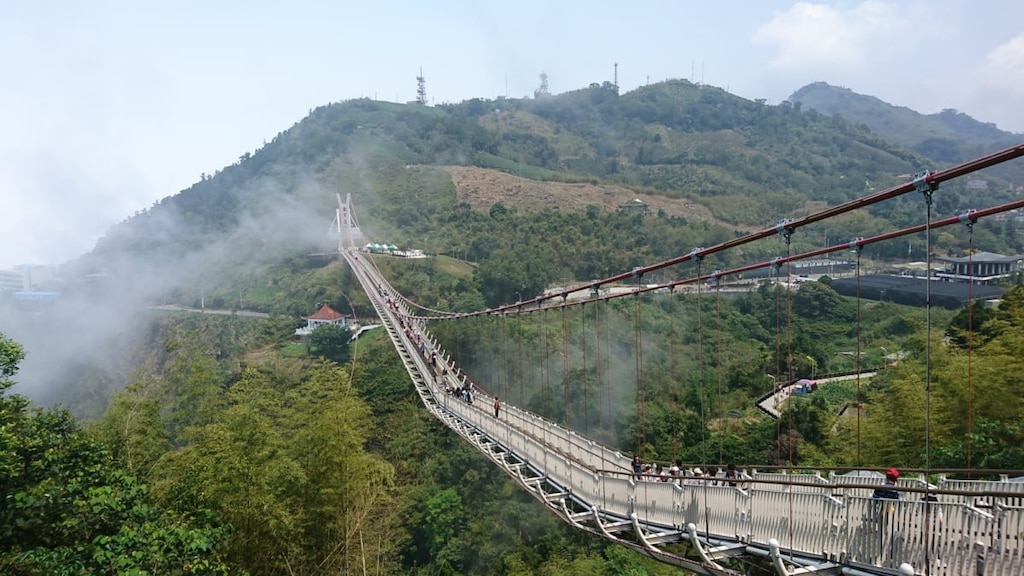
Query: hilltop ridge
[
  {"x": 948, "y": 136},
  {"x": 716, "y": 162}
]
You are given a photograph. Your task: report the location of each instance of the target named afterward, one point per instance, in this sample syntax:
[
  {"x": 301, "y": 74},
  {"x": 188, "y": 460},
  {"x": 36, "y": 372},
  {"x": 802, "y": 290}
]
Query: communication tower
[{"x": 421, "y": 89}]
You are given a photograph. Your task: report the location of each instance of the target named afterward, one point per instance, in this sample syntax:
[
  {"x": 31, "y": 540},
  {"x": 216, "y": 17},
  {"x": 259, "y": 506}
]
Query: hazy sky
[{"x": 108, "y": 106}]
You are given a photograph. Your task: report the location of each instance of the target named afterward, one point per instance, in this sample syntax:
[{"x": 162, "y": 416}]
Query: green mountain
[
  {"x": 730, "y": 165},
  {"x": 709, "y": 164},
  {"x": 946, "y": 137}
]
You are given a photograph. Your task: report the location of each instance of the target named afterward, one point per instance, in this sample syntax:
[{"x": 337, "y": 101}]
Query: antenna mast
[
  {"x": 421, "y": 89},
  {"x": 615, "y": 80}
]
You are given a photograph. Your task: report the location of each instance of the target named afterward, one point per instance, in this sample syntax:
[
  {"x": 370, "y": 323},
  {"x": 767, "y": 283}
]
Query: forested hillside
[
  {"x": 225, "y": 444},
  {"x": 946, "y": 137},
  {"x": 748, "y": 164}
]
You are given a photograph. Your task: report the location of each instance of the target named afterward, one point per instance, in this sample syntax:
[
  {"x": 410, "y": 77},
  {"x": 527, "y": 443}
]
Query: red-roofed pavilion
[{"x": 325, "y": 315}]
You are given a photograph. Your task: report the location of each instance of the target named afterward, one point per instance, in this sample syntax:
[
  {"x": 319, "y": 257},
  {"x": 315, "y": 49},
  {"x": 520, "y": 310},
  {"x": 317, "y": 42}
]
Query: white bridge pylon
[{"x": 345, "y": 227}]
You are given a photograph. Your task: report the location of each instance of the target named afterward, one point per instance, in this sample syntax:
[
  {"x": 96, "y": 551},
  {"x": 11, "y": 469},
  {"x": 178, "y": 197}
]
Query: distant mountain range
[{"x": 947, "y": 137}]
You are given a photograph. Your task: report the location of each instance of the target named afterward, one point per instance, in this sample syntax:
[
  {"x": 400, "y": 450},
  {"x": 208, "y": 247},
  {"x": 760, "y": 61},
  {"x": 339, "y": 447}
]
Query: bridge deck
[{"x": 804, "y": 523}]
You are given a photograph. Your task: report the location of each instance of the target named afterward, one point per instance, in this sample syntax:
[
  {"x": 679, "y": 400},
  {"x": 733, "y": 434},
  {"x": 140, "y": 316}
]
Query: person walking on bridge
[
  {"x": 888, "y": 489},
  {"x": 497, "y": 406}
]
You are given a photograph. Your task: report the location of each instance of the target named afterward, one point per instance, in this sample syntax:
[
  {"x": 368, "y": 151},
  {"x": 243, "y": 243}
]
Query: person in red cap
[{"x": 888, "y": 489}]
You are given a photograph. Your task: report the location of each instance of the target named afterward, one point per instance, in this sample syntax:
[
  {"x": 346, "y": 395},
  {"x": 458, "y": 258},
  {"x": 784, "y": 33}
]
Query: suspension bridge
[{"x": 793, "y": 521}]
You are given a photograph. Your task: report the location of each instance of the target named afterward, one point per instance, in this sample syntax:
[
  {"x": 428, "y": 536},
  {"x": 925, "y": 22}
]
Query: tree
[
  {"x": 816, "y": 300},
  {"x": 443, "y": 519},
  {"x": 289, "y": 470},
  {"x": 332, "y": 342},
  {"x": 134, "y": 426},
  {"x": 508, "y": 273},
  {"x": 237, "y": 466},
  {"x": 11, "y": 354},
  {"x": 194, "y": 380},
  {"x": 67, "y": 507}
]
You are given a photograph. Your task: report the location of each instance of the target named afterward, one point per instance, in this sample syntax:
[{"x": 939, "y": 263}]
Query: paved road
[
  {"x": 176, "y": 308},
  {"x": 771, "y": 404}
]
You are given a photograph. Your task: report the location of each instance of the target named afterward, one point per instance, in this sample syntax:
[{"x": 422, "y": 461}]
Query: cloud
[
  {"x": 811, "y": 36},
  {"x": 995, "y": 87},
  {"x": 1003, "y": 67}
]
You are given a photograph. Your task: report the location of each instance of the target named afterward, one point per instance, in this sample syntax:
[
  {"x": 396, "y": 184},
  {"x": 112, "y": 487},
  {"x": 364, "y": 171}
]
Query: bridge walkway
[{"x": 803, "y": 524}]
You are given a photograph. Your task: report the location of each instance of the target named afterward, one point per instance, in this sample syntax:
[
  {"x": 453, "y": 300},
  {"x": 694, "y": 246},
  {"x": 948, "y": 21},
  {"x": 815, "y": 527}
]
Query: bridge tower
[{"x": 345, "y": 226}]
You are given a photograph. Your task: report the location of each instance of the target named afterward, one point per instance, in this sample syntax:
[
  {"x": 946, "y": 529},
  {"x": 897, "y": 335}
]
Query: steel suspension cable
[
  {"x": 674, "y": 405},
  {"x": 927, "y": 189},
  {"x": 522, "y": 375},
  {"x": 700, "y": 373},
  {"x": 545, "y": 404},
  {"x": 970, "y": 332},
  {"x": 718, "y": 361},
  {"x": 638, "y": 355},
  {"x": 703, "y": 416},
  {"x": 565, "y": 369},
  {"x": 586, "y": 376},
  {"x": 600, "y": 382},
  {"x": 857, "y": 361},
  {"x": 490, "y": 346},
  {"x": 355, "y": 345},
  {"x": 458, "y": 346},
  {"x": 605, "y": 438},
  {"x": 778, "y": 386},
  {"x": 505, "y": 358},
  {"x": 641, "y": 433},
  {"x": 608, "y": 365},
  {"x": 545, "y": 384},
  {"x": 788, "y": 235}
]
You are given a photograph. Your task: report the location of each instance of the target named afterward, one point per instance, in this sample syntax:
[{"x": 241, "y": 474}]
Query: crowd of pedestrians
[{"x": 677, "y": 474}]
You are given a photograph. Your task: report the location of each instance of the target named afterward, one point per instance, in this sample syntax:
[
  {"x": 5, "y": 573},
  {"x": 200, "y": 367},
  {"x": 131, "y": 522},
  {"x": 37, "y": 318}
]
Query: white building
[
  {"x": 25, "y": 278},
  {"x": 11, "y": 281}
]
